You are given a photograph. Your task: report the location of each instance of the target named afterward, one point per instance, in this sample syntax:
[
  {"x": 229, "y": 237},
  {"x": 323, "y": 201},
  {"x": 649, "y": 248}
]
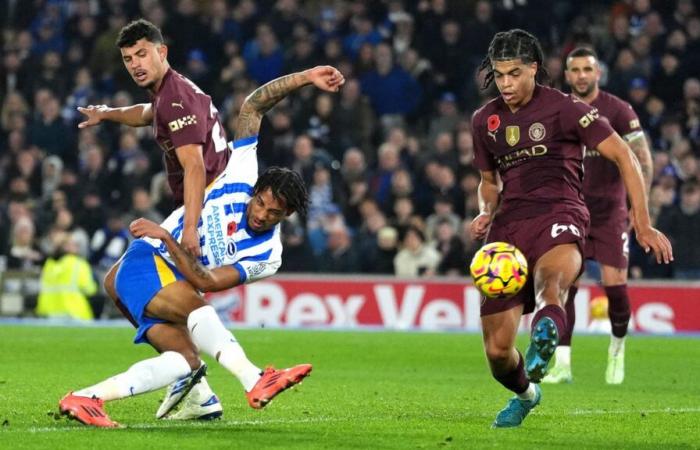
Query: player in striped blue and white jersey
[{"x": 157, "y": 284}]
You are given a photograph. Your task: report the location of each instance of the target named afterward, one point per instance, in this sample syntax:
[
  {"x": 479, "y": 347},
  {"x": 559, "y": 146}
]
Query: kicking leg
[
  {"x": 561, "y": 371},
  {"x": 180, "y": 303},
  {"x": 506, "y": 365},
  {"x": 555, "y": 272},
  {"x": 615, "y": 285}
]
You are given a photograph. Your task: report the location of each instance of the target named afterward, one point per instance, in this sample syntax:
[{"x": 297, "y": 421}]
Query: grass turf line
[{"x": 367, "y": 390}]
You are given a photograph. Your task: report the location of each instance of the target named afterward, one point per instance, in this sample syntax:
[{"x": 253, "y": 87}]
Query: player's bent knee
[
  {"x": 192, "y": 358},
  {"x": 498, "y": 354}
]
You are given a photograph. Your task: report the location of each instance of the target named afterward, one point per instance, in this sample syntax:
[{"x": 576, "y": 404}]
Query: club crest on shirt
[
  {"x": 537, "y": 132},
  {"x": 512, "y": 135}
]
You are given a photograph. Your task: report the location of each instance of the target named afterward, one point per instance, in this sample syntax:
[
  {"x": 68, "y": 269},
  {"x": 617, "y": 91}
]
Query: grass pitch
[{"x": 367, "y": 390}]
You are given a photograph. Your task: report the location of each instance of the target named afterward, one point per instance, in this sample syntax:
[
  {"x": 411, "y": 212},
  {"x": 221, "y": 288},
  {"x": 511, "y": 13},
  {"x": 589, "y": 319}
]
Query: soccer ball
[{"x": 499, "y": 270}]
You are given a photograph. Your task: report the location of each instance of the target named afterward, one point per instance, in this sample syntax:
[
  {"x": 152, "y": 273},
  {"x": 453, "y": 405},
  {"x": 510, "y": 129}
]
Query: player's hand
[
  {"x": 94, "y": 115},
  {"x": 479, "y": 226},
  {"x": 326, "y": 78},
  {"x": 651, "y": 239},
  {"x": 190, "y": 241},
  {"x": 146, "y": 228}
]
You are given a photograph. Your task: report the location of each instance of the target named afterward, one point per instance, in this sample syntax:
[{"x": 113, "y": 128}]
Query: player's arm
[
  {"x": 488, "y": 193},
  {"x": 195, "y": 178},
  {"x": 202, "y": 278},
  {"x": 640, "y": 148},
  {"x": 615, "y": 149},
  {"x": 268, "y": 95},
  {"x": 139, "y": 115}
]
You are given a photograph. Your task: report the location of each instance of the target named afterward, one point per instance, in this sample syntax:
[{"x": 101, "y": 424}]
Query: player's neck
[
  {"x": 527, "y": 99},
  {"x": 156, "y": 87},
  {"x": 590, "y": 98}
]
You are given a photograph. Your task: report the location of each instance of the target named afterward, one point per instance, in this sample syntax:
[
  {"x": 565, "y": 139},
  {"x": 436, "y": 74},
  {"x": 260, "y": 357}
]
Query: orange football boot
[
  {"x": 274, "y": 381},
  {"x": 89, "y": 411}
]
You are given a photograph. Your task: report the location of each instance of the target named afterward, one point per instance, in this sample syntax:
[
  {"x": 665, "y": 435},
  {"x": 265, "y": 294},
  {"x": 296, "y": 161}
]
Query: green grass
[{"x": 368, "y": 390}]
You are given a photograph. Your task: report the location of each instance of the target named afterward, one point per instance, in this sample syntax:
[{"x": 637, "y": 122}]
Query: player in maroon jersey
[
  {"x": 186, "y": 126},
  {"x": 528, "y": 148},
  {"x": 185, "y": 122},
  {"x": 607, "y": 241}
]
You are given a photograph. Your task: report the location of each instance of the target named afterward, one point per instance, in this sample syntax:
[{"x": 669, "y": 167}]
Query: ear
[{"x": 163, "y": 52}]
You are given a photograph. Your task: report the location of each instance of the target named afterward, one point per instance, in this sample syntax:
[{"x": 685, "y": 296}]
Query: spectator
[
  {"x": 681, "y": 224},
  {"x": 24, "y": 254},
  {"x": 416, "y": 258},
  {"x": 340, "y": 256}
]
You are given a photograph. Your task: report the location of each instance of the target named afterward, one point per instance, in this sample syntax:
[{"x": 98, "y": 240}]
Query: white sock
[
  {"x": 210, "y": 335},
  {"x": 617, "y": 345},
  {"x": 563, "y": 356},
  {"x": 201, "y": 392},
  {"x": 144, "y": 376},
  {"x": 529, "y": 393}
]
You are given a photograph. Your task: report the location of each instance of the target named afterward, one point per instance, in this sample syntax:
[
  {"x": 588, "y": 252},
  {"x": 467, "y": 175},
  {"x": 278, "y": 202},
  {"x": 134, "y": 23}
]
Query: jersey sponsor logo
[
  {"x": 588, "y": 118},
  {"x": 521, "y": 155},
  {"x": 179, "y": 124},
  {"x": 512, "y": 135},
  {"x": 537, "y": 132},
  {"x": 215, "y": 232},
  {"x": 634, "y": 124},
  {"x": 179, "y": 105},
  {"x": 558, "y": 229}
]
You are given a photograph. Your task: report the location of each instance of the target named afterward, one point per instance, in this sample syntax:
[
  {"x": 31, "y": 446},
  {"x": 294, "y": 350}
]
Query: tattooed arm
[
  {"x": 640, "y": 148},
  {"x": 268, "y": 95},
  {"x": 202, "y": 278}
]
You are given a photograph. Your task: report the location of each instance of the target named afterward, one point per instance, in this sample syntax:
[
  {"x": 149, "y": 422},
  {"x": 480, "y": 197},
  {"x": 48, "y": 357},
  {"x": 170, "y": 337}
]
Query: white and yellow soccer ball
[{"x": 499, "y": 270}]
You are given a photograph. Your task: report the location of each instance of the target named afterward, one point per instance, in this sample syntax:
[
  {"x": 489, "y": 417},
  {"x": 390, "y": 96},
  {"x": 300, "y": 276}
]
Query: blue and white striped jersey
[{"x": 224, "y": 236}]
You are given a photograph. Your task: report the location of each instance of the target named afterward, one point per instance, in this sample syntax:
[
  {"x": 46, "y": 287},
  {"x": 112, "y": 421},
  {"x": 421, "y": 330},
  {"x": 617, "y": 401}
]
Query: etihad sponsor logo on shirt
[
  {"x": 537, "y": 132},
  {"x": 634, "y": 124},
  {"x": 520, "y": 155},
  {"x": 179, "y": 124},
  {"x": 512, "y": 135},
  {"x": 588, "y": 118}
]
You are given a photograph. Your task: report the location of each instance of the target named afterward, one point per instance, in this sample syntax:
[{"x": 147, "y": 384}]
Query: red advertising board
[{"x": 344, "y": 302}]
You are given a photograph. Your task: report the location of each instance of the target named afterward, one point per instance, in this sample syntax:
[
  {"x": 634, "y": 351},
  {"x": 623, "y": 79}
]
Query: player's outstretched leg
[
  {"x": 200, "y": 404},
  {"x": 619, "y": 313},
  {"x": 560, "y": 372},
  {"x": 211, "y": 337},
  {"x": 519, "y": 406},
  {"x": 87, "y": 405},
  {"x": 555, "y": 272}
]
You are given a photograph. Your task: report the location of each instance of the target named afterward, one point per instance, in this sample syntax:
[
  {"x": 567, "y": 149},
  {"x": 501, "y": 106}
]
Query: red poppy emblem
[
  {"x": 493, "y": 122},
  {"x": 231, "y": 228}
]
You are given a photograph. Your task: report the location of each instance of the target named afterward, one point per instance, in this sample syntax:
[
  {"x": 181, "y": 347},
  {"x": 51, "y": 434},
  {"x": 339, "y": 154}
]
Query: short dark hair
[
  {"x": 579, "y": 52},
  {"x": 286, "y": 185},
  {"x": 513, "y": 44},
  {"x": 139, "y": 29}
]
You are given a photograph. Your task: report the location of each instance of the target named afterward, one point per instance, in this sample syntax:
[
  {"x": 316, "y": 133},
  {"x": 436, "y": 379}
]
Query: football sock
[
  {"x": 210, "y": 335},
  {"x": 515, "y": 380},
  {"x": 618, "y": 309},
  {"x": 554, "y": 312},
  {"x": 529, "y": 393},
  {"x": 144, "y": 376},
  {"x": 570, "y": 308},
  {"x": 617, "y": 345},
  {"x": 563, "y": 355}
]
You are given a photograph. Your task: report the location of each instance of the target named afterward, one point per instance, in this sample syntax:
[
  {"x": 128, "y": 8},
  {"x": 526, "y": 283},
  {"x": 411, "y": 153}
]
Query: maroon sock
[
  {"x": 515, "y": 380},
  {"x": 618, "y": 309},
  {"x": 570, "y": 308},
  {"x": 554, "y": 312}
]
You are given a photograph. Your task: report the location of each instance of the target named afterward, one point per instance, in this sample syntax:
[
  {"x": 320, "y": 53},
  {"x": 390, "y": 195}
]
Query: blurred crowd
[{"x": 388, "y": 160}]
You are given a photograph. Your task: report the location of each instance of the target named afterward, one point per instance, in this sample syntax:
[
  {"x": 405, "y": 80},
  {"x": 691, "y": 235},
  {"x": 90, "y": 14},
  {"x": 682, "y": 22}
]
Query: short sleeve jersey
[
  {"x": 184, "y": 115},
  {"x": 537, "y": 151},
  {"x": 225, "y": 238},
  {"x": 603, "y": 188}
]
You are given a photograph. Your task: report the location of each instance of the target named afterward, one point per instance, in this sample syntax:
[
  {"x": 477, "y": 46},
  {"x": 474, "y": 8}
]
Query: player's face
[
  {"x": 145, "y": 62},
  {"x": 582, "y": 74},
  {"x": 515, "y": 81},
  {"x": 265, "y": 211}
]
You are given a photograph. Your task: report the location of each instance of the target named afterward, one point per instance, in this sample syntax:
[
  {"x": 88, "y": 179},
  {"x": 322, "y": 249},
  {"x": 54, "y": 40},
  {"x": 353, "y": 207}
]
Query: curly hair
[
  {"x": 139, "y": 29},
  {"x": 287, "y": 186},
  {"x": 513, "y": 44}
]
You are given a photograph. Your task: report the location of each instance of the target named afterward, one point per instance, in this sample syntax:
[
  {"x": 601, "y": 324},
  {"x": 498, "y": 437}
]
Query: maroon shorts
[
  {"x": 608, "y": 242},
  {"x": 534, "y": 237}
]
